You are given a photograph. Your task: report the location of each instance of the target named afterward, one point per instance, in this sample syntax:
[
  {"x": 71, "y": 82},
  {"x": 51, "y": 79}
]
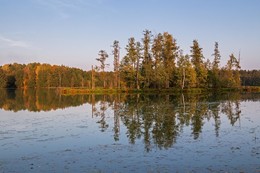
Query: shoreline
[{"x": 75, "y": 91}]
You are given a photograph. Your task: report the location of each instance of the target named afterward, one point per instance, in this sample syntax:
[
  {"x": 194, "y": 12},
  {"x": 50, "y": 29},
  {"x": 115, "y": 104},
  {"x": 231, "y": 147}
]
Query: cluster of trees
[
  {"x": 158, "y": 62},
  {"x": 36, "y": 75}
]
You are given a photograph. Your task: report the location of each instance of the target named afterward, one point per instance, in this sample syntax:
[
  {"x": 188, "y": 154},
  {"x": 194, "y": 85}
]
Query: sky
[{"x": 71, "y": 32}]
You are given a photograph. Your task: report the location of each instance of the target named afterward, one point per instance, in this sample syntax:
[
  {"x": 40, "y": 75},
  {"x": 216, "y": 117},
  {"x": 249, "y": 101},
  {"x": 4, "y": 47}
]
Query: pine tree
[
  {"x": 197, "y": 61},
  {"x": 129, "y": 63},
  {"x": 217, "y": 56},
  {"x": 138, "y": 58},
  {"x": 157, "y": 51},
  {"x": 231, "y": 73},
  {"x": 170, "y": 53},
  {"x": 116, "y": 53},
  {"x": 102, "y": 59},
  {"x": 215, "y": 77},
  {"x": 147, "y": 70}
]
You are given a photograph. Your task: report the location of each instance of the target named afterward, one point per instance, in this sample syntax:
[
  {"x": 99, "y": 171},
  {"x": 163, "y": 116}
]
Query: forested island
[{"x": 155, "y": 62}]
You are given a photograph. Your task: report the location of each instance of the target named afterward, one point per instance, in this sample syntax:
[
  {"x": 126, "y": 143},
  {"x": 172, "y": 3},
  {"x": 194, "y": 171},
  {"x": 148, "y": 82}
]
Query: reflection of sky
[
  {"x": 46, "y": 134},
  {"x": 235, "y": 146},
  {"x": 49, "y": 131}
]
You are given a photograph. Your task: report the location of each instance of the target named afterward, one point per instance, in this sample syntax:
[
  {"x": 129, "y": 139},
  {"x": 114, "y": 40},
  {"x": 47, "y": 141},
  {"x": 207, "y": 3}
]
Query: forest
[{"x": 155, "y": 62}]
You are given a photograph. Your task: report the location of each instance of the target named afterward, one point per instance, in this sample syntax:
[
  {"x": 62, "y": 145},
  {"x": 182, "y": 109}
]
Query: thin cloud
[
  {"x": 63, "y": 7},
  {"x": 60, "y": 7},
  {"x": 14, "y": 43},
  {"x": 57, "y": 3}
]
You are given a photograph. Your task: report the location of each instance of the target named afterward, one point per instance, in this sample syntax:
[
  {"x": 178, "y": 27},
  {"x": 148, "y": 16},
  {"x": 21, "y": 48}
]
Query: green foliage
[
  {"x": 130, "y": 64},
  {"x": 230, "y": 74},
  {"x": 157, "y": 52},
  {"x": 217, "y": 56},
  {"x": 116, "y": 53},
  {"x": 186, "y": 75},
  {"x": 147, "y": 65},
  {"x": 170, "y": 54},
  {"x": 198, "y": 64},
  {"x": 102, "y": 59}
]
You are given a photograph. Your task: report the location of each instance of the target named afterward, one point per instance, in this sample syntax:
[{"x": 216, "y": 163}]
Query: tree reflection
[
  {"x": 38, "y": 100},
  {"x": 116, "y": 108},
  {"x": 156, "y": 120},
  {"x": 101, "y": 113}
]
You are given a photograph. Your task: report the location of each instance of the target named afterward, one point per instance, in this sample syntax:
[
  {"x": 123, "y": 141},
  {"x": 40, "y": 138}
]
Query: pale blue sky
[{"x": 71, "y": 32}]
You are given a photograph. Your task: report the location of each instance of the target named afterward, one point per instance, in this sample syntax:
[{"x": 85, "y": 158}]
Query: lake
[{"x": 43, "y": 131}]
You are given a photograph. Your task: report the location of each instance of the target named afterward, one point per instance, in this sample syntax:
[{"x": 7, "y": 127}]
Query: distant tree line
[
  {"x": 154, "y": 62},
  {"x": 250, "y": 77},
  {"x": 36, "y": 75}
]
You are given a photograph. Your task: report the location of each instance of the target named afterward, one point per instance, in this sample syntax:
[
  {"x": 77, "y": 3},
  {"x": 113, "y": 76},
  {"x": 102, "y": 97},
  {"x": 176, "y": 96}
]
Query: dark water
[{"x": 42, "y": 131}]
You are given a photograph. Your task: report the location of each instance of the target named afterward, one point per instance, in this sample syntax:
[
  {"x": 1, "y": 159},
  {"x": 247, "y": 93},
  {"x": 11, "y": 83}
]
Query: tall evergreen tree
[
  {"x": 217, "y": 56},
  {"x": 129, "y": 63},
  {"x": 197, "y": 61},
  {"x": 138, "y": 58},
  {"x": 116, "y": 54},
  {"x": 147, "y": 58},
  {"x": 170, "y": 53},
  {"x": 102, "y": 59},
  {"x": 230, "y": 74},
  {"x": 214, "y": 77},
  {"x": 157, "y": 51}
]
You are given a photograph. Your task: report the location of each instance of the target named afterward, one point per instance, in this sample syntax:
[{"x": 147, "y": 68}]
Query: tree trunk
[
  {"x": 118, "y": 84},
  {"x": 183, "y": 80},
  {"x": 116, "y": 80},
  {"x": 92, "y": 78},
  {"x": 167, "y": 83},
  {"x": 82, "y": 82},
  {"x": 137, "y": 75},
  {"x": 59, "y": 79}
]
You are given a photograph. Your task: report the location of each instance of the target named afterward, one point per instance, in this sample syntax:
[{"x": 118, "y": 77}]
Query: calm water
[{"x": 42, "y": 131}]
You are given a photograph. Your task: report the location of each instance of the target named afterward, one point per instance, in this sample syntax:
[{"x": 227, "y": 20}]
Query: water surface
[{"x": 42, "y": 131}]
